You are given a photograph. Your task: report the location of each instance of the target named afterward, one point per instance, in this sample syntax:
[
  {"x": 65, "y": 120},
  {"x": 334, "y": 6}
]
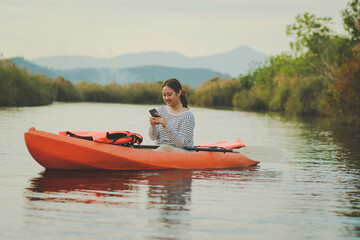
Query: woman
[{"x": 173, "y": 129}]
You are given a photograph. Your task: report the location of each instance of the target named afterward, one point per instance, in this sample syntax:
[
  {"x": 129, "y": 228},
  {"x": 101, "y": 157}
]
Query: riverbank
[{"x": 21, "y": 88}]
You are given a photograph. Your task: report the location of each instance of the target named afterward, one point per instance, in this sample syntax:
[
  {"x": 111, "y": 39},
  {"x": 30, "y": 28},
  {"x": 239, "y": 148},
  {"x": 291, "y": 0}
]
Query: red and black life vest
[{"x": 112, "y": 137}]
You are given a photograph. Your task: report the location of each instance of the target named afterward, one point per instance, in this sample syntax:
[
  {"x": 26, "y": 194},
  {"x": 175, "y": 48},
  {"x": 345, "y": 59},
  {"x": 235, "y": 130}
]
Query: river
[{"x": 313, "y": 193}]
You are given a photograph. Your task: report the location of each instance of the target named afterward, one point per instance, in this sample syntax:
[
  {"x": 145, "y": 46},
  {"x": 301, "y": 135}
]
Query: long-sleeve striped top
[{"x": 180, "y": 129}]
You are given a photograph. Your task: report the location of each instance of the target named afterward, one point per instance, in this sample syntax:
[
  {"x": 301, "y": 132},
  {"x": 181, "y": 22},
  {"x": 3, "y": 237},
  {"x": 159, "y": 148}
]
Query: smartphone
[{"x": 153, "y": 112}]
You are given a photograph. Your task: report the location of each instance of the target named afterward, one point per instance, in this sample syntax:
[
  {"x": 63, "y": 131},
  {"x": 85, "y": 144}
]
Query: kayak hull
[{"x": 54, "y": 151}]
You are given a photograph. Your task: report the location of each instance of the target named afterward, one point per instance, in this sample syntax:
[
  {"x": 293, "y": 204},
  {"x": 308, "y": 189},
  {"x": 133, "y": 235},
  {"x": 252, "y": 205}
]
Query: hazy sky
[{"x": 106, "y": 28}]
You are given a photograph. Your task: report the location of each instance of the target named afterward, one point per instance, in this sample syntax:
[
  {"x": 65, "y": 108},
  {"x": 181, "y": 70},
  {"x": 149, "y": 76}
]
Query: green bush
[
  {"x": 65, "y": 91},
  {"x": 249, "y": 100},
  {"x": 19, "y": 88},
  {"x": 217, "y": 92}
]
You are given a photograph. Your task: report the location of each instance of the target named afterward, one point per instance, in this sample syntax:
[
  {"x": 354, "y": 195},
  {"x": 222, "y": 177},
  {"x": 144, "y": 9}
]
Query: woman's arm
[
  {"x": 153, "y": 133},
  {"x": 184, "y": 137}
]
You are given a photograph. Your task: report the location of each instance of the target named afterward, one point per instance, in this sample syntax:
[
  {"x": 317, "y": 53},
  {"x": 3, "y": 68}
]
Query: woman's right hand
[{"x": 152, "y": 121}]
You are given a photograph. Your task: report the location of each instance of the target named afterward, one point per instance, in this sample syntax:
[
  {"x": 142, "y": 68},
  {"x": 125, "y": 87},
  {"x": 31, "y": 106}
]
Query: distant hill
[
  {"x": 232, "y": 62},
  {"x": 33, "y": 68},
  {"x": 191, "y": 77}
]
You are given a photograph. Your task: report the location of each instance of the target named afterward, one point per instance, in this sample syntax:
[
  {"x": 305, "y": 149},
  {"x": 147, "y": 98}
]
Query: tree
[
  {"x": 351, "y": 19},
  {"x": 316, "y": 42},
  {"x": 309, "y": 31}
]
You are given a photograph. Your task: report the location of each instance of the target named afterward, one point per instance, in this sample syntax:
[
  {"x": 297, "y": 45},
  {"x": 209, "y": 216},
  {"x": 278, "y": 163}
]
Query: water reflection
[
  {"x": 164, "y": 196},
  {"x": 344, "y": 141},
  {"x": 92, "y": 184},
  {"x": 161, "y": 184}
]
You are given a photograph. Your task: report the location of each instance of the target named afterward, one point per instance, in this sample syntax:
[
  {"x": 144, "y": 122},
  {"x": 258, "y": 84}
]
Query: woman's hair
[{"x": 174, "y": 84}]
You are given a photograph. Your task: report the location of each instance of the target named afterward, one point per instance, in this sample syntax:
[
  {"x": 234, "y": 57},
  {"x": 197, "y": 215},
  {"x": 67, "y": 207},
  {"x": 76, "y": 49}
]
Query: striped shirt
[{"x": 180, "y": 129}]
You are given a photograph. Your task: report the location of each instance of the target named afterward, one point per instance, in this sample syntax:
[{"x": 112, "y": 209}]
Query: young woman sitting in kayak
[{"x": 173, "y": 129}]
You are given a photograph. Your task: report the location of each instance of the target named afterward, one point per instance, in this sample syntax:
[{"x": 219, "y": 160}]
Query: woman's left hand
[{"x": 159, "y": 120}]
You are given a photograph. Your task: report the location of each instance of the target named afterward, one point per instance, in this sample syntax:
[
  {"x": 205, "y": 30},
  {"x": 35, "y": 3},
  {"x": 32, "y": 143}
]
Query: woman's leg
[{"x": 168, "y": 148}]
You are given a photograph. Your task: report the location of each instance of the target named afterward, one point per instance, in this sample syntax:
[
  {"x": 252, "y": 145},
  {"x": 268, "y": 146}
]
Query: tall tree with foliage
[
  {"x": 315, "y": 41},
  {"x": 351, "y": 19},
  {"x": 320, "y": 76},
  {"x": 344, "y": 95}
]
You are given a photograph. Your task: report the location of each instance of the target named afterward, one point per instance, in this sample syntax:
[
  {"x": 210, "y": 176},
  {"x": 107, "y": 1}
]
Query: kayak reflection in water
[{"x": 173, "y": 127}]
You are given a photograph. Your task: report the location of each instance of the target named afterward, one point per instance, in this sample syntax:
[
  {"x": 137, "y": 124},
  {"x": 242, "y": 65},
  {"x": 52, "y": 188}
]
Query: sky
[{"x": 108, "y": 28}]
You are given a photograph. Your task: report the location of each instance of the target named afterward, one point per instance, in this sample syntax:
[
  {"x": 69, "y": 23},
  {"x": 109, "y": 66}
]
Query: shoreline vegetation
[{"x": 320, "y": 77}]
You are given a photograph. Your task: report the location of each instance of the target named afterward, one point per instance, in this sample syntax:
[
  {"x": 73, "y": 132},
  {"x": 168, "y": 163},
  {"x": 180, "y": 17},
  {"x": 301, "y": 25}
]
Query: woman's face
[{"x": 171, "y": 98}]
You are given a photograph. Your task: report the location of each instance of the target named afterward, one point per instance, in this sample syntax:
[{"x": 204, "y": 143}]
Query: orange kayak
[{"x": 53, "y": 151}]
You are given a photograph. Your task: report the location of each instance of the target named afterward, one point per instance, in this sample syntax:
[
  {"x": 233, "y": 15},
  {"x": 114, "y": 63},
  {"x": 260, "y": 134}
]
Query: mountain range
[
  {"x": 145, "y": 67},
  {"x": 191, "y": 77},
  {"x": 233, "y": 62}
]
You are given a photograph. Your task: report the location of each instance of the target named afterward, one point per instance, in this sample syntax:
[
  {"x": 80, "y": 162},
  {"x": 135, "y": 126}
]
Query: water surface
[{"x": 313, "y": 193}]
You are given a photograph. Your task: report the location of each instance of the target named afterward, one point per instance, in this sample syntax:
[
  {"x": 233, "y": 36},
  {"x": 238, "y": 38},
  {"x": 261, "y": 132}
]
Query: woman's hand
[
  {"x": 158, "y": 120},
  {"x": 152, "y": 121}
]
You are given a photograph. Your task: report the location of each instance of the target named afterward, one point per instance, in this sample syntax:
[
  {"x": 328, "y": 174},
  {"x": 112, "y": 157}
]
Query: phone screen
[{"x": 152, "y": 112}]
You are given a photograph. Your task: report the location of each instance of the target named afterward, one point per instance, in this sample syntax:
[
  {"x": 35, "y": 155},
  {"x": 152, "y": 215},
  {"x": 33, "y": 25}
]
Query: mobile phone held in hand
[{"x": 153, "y": 112}]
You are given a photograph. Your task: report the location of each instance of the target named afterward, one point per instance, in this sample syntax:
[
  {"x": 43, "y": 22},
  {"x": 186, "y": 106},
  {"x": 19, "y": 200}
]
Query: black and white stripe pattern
[{"x": 180, "y": 129}]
